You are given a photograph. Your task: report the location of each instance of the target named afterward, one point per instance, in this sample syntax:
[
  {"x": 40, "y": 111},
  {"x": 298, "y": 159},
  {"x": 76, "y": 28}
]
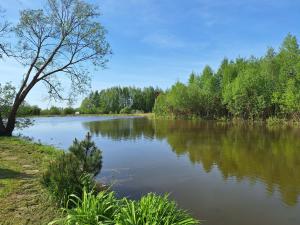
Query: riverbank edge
[
  {"x": 148, "y": 115},
  {"x": 270, "y": 122},
  {"x": 23, "y": 200}
]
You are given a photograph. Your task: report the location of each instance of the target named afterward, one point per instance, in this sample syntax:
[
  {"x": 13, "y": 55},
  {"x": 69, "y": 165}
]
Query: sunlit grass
[
  {"x": 23, "y": 199},
  {"x": 105, "y": 208}
]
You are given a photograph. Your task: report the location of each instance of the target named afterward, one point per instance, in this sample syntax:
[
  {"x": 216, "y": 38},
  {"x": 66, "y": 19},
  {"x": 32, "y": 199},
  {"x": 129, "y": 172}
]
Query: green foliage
[
  {"x": 53, "y": 111},
  {"x": 28, "y": 110},
  {"x": 153, "y": 209},
  {"x": 254, "y": 88},
  {"x": 275, "y": 121},
  {"x": 105, "y": 208},
  {"x": 88, "y": 154},
  {"x": 115, "y": 99},
  {"x": 44, "y": 44},
  {"x": 161, "y": 107},
  {"x": 64, "y": 177},
  {"x": 91, "y": 209},
  {"x": 72, "y": 171},
  {"x": 125, "y": 110},
  {"x": 7, "y": 95},
  {"x": 56, "y": 111},
  {"x": 68, "y": 111}
]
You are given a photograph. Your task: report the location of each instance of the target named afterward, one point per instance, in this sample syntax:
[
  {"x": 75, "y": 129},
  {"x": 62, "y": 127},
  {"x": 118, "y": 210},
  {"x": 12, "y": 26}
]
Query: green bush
[
  {"x": 125, "y": 110},
  {"x": 275, "y": 121},
  {"x": 64, "y": 177},
  {"x": 88, "y": 154},
  {"x": 68, "y": 111},
  {"x": 105, "y": 208},
  {"x": 72, "y": 171}
]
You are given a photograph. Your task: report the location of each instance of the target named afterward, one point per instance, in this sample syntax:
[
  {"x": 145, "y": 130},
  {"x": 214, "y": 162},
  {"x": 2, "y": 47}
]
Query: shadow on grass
[{"x": 11, "y": 174}]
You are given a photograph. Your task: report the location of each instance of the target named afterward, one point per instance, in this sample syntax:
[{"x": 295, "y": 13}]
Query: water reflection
[{"x": 244, "y": 152}]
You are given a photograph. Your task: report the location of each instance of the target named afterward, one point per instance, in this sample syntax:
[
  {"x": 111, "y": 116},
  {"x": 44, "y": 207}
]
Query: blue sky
[{"x": 158, "y": 42}]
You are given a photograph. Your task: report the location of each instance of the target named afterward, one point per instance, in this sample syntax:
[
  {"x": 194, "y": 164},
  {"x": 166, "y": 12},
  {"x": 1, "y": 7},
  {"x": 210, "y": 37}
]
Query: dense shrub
[
  {"x": 29, "y": 110},
  {"x": 68, "y": 111},
  {"x": 88, "y": 154},
  {"x": 72, "y": 171},
  {"x": 125, "y": 110},
  {"x": 64, "y": 177}
]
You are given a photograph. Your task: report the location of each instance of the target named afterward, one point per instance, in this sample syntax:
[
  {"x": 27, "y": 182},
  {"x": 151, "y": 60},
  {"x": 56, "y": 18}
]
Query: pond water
[{"x": 223, "y": 174}]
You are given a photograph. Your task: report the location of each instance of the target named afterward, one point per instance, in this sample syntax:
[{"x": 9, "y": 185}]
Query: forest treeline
[
  {"x": 253, "y": 88},
  {"x": 120, "y": 100},
  {"x": 33, "y": 110},
  {"x": 247, "y": 88},
  {"x": 124, "y": 100}
]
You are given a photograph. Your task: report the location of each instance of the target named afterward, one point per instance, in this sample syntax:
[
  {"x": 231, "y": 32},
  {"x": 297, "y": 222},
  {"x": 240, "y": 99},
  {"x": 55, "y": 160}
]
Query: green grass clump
[
  {"x": 91, "y": 209},
  {"x": 105, "y": 208},
  {"x": 153, "y": 209}
]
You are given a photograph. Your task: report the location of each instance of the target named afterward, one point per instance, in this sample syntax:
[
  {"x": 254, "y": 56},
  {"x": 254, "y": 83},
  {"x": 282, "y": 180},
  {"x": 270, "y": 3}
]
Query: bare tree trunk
[{"x": 2, "y": 129}]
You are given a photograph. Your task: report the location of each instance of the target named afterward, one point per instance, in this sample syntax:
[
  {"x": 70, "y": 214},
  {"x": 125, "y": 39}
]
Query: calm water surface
[{"x": 223, "y": 174}]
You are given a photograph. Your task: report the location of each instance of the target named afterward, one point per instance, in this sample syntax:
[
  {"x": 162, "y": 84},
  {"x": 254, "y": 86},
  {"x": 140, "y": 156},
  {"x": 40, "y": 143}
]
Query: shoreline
[
  {"x": 148, "y": 115},
  {"x": 270, "y": 122}
]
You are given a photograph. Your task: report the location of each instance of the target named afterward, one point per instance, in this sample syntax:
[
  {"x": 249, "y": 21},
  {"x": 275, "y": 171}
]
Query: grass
[
  {"x": 105, "y": 208},
  {"x": 22, "y": 198}
]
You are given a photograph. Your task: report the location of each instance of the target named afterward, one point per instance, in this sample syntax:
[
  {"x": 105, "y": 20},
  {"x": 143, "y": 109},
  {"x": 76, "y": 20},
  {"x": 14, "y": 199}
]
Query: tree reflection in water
[{"x": 257, "y": 153}]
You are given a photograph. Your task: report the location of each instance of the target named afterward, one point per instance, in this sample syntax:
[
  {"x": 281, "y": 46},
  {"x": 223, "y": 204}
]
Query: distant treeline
[
  {"x": 123, "y": 100},
  {"x": 120, "y": 100},
  {"x": 254, "y": 88},
  {"x": 29, "y": 110}
]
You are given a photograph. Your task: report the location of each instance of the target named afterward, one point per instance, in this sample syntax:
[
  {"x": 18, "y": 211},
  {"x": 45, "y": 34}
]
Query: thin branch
[{"x": 53, "y": 88}]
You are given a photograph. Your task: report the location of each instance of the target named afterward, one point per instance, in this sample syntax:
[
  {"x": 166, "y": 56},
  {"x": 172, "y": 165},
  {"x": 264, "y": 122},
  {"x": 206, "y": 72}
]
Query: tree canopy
[
  {"x": 253, "y": 88},
  {"x": 53, "y": 44},
  {"x": 120, "y": 100}
]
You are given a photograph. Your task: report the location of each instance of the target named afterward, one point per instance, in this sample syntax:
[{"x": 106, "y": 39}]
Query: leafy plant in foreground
[
  {"x": 153, "y": 209},
  {"x": 91, "y": 209},
  {"x": 105, "y": 208}
]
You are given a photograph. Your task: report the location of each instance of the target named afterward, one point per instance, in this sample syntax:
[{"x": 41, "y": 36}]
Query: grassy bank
[{"x": 22, "y": 198}]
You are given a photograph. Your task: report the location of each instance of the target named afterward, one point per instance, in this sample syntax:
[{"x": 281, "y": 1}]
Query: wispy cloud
[{"x": 163, "y": 41}]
